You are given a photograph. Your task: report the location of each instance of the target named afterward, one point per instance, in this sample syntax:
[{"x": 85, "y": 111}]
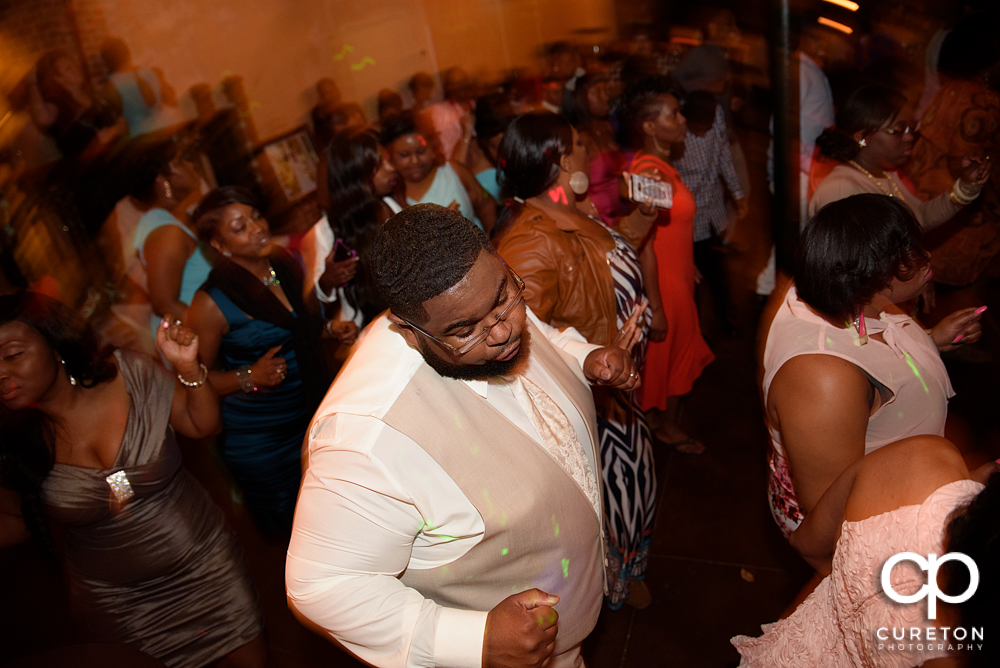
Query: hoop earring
[{"x": 72, "y": 380}]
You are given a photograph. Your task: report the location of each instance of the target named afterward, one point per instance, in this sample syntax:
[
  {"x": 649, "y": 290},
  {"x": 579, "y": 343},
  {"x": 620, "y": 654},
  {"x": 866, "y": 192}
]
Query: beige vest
[{"x": 541, "y": 531}]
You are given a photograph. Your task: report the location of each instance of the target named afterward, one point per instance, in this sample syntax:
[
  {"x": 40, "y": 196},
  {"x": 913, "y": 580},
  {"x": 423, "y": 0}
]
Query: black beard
[{"x": 477, "y": 371}]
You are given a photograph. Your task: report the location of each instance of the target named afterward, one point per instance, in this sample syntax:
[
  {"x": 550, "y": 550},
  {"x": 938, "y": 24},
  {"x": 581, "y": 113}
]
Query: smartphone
[
  {"x": 342, "y": 252},
  {"x": 643, "y": 189}
]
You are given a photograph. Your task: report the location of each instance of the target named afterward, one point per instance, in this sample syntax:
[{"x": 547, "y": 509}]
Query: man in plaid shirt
[{"x": 706, "y": 158}]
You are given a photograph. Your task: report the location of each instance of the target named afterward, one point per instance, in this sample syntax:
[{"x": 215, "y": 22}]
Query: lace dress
[{"x": 838, "y": 626}]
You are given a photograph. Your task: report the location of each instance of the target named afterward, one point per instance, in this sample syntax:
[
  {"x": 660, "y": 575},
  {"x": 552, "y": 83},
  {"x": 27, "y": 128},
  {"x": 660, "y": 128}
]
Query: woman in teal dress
[{"x": 262, "y": 342}]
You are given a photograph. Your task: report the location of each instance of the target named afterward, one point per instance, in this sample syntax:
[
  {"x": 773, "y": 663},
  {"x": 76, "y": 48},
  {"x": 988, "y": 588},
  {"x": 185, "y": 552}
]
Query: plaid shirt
[{"x": 705, "y": 159}]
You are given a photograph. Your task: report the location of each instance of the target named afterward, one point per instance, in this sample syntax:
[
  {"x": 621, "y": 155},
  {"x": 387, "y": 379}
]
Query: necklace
[
  {"x": 271, "y": 279},
  {"x": 656, "y": 144},
  {"x": 877, "y": 182}
]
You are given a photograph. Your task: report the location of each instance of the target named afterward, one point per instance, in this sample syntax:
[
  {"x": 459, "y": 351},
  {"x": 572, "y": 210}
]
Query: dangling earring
[
  {"x": 862, "y": 143},
  {"x": 72, "y": 380},
  {"x": 167, "y": 191},
  {"x": 859, "y": 324}
]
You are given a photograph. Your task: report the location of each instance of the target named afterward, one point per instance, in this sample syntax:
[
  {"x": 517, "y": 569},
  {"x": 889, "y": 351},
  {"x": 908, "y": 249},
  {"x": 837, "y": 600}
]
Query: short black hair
[
  {"x": 865, "y": 110},
  {"x": 852, "y": 249},
  {"x": 420, "y": 252},
  {"x": 209, "y": 211},
  {"x": 530, "y": 153},
  {"x": 641, "y": 102},
  {"x": 398, "y": 125}
]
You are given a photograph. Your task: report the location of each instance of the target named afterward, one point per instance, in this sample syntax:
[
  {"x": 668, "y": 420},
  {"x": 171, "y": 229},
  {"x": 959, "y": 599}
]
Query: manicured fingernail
[
  {"x": 164, "y": 323},
  {"x": 981, "y": 309},
  {"x": 958, "y": 339}
]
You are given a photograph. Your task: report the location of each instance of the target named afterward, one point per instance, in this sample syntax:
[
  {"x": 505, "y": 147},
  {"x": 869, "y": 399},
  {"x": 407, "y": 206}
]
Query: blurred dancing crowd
[{"x": 317, "y": 307}]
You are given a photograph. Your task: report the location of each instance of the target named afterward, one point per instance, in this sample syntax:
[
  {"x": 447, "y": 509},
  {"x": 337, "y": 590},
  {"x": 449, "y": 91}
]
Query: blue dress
[{"x": 262, "y": 432}]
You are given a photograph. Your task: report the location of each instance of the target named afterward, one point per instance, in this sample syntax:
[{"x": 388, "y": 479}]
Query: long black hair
[
  {"x": 865, "y": 110},
  {"x": 27, "y": 439},
  {"x": 528, "y": 161},
  {"x": 356, "y": 210}
]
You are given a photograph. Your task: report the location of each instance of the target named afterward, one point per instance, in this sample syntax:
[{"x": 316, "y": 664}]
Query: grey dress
[{"x": 160, "y": 571}]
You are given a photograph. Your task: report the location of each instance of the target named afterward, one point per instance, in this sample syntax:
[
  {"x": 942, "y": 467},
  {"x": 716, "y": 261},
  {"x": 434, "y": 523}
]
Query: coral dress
[
  {"x": 838, "y": 625},
  {"x": 672, "y": 365}
]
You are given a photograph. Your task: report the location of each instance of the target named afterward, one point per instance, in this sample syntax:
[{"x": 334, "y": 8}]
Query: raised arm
[
  {"x": 195, "y": 408},
  {"x": 166, "y": 252}
]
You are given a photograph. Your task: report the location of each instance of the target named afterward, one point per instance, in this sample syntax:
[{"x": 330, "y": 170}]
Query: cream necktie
[{"x": 557, "y": 434}]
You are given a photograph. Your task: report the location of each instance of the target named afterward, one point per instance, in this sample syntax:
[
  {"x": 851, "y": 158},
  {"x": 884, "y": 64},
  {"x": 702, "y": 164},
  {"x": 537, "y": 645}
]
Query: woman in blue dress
[{"x": 262, "y": 342}]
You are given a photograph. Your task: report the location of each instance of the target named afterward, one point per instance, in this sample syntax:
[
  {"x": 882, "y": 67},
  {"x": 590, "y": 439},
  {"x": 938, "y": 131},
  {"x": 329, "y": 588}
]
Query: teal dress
[
  {"x": 488, "y": 180},
  {"x": 262, "y": 435},
  {"x": 196, "y": 269}
]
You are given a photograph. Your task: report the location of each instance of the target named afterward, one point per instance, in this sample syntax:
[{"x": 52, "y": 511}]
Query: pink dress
[
  {"x": 914, "y": 384},
  {"x": 838, "y": 626}
]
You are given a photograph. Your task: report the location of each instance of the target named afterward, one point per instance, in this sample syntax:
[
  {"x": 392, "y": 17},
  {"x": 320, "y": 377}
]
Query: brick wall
[{"x": 29, "y": 28}]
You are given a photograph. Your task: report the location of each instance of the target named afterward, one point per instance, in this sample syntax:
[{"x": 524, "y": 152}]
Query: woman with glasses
[
  {"x": 260, "y": 337},
  {"x": 580, "y": 273},
  {"x": 872, "y": 141}
]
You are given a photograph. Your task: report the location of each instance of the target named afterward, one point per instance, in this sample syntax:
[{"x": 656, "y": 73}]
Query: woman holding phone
[
  {"x": 360, "y": 183},
  {"x": 272, "y": 374},
  {"x": 677, "y": 352}
]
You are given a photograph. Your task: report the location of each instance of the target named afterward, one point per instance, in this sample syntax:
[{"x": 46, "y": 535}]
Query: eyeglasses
[{"x": 485, "y": 332}]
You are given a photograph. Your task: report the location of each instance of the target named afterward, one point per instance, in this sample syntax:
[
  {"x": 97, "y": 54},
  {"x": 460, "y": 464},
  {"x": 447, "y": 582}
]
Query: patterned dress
[{"x": 626, "y": 446}]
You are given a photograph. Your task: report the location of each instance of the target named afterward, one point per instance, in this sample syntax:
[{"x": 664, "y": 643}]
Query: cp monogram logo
[{"x": 930, "y": 591}]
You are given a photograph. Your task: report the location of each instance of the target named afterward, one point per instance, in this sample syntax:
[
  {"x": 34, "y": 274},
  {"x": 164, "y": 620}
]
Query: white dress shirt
[
  {"x": 373, "y": 503},
  {"x": 315, "y": 246}
]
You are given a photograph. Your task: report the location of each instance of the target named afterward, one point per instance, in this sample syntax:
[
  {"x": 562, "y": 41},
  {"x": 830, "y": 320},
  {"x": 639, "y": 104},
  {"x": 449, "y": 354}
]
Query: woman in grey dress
[{"x": 88, "y": 443}]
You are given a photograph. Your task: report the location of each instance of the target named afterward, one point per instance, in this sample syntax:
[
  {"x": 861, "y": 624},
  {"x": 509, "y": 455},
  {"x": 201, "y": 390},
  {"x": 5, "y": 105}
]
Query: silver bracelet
[
  {"x": 197, "y": 383},
  {"x": 246, "y": 382}
]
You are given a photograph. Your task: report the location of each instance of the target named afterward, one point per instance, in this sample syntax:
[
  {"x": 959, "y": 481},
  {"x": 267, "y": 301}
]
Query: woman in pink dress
[
  {"x": 917, "y": 496},
  {"x": 677, "y": 353}
]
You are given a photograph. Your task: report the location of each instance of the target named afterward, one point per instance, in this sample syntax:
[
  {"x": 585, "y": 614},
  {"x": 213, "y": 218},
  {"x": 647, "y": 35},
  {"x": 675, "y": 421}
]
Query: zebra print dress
[{"x": 627, "y": 467}]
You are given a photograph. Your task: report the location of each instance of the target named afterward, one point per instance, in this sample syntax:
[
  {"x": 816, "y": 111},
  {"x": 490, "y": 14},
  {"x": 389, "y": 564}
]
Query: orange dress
[{"x": 672, "y": 365}]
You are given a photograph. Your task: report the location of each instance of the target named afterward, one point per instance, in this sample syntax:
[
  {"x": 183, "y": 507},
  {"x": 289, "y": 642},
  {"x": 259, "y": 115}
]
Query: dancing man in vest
[{"x": 450, "y": 511}]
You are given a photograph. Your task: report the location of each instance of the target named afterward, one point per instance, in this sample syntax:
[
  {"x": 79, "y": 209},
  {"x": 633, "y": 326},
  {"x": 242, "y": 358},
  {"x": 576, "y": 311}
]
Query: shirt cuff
[
  {"x": 580, "y": 350},
  {"x": 323, "y": 297},
  {"x": 458, "y": 639}
]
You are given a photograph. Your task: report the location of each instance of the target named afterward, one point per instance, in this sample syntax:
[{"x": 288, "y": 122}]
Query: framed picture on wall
[{"x": 287, "y": 167}]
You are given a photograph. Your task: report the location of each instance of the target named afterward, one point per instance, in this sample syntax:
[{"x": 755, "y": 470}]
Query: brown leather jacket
[{"x": 567, "y": 278}]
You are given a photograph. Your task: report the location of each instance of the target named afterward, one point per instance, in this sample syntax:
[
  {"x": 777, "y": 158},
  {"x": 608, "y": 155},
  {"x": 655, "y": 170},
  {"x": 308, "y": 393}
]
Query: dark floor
[{"x": 718, "y": 567}]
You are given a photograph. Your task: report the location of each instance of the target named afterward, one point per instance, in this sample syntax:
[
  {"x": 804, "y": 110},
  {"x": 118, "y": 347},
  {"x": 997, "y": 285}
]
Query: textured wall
[{"x": 281, "y": 47}]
